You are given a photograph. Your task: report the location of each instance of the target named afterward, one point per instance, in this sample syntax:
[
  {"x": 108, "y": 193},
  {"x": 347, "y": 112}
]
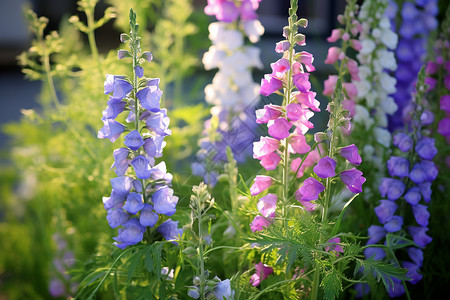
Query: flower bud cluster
[
  {"x": 418, "y": 20},
  {"x": 141, "y": 192}
]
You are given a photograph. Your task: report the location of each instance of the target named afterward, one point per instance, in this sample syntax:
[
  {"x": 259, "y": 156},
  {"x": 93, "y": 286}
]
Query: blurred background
[{"x": 19, "y": 93}]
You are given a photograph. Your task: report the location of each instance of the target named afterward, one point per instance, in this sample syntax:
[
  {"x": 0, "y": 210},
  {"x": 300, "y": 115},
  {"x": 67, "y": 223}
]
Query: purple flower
[
  {"x": 121, "y": 88},
  {"x": 223, "y": 290},
  {"x": 120, "y": 161},
  {"x": 375, "y": 252},
  {"x": 270, "y": 85},
  {"x": 56, "y": 288},
  {"x": 425, "y": 190},
  {"x": 170, "y": 231},
  {"x": 425, "y": 148},
  {"x": 430, "y": 170},
  {"x": 261, "y": 183},
  {"x": 334, "y": 246},
  {"x": 417, "y": 174},
  {"x": 262, "y": 271},
  {"x": 267, "y": 205},
  {"x": 269, "y": 112},
  {"x": 416, "y": 255},
  {"x": 282, "y": 46},
  {"x": 413, "y": 196},
  {"x": 409, "y": 11},
  {"x": 148, "y": 217},
  {"x": 150, "y": 97},
  {"x": 134, "y": 203},
  {"x": 116, "y": 217},
  {"x": 159, "y": 123},
  {"x": 392, "y": 188},
  {"x": 294, "y": 111},
  {"x": 259, "y": 223},
  {"x": 398, "y": 166},
  {"x": 111, "y": 130},
  {"x": 385, "y": 210},
  {"x": 301, "y": 81},
  {"x": 150, "y": 147},
  {"x": 279, "y": 128},
  {"x": 164, "y": 201},
  {"x": 350, "y": 153},
  {"x": 115, "y": 200},
  {"x": 159, "y": 172},
  {"x": 311, "y": 189},
  {"x": 412, "y": 272},
  {"x": 353, "y": 179},
  {"x": 114, "y": 108},
  {"x": 132, "y": 234},
  {"x": 376, "y": 233},
  {"x": 421, "y": 214},
  {"x": 139, "y": 70},
  {"x": 109, "y": 82},
  {"x": 279, "y": 68},
  {"x": 403, "y": 142},
  {"x": 325, "y": 167},
  {"x": 394, "y": 224},
  {"x": 397, "y": 289},
  {"x": 121, "y": 185},
  {"x": 419, "y": 235},
  {"x": 141, "y": 166},
  {"x": 134, "y": 140}
]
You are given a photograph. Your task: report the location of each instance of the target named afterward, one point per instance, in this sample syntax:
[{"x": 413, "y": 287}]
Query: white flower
[
  {"x": 362, "y": 116},
  {"x": 376, "y": 33},
  {"x": 368, "y": 46},
  {"x": 363, "y": 88},
  {"x": 368, "y": 151},
  {"x": 385, "y": 23},
  {"x": 383, "y": 136},
  {"x": 253, "y": 29},
  {"x": 387, "y": 59},
  {"x": 388, "y": 83},
  {"x": 389, "y": 38},
  {"x": 371, "y": 99},
  {"x": 377, "y": 67},
  {"x": 253, "y": 56},
  {"x": 212, "y": 58},
  {"x": 381, "y": 118},
  {"x": 388, "y": 105}
]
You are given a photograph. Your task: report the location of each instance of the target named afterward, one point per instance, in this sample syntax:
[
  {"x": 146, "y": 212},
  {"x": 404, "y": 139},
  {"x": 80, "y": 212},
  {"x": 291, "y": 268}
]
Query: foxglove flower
[
  {"x": 261, "y": 183},
  {"x": 262, "y": 272}
]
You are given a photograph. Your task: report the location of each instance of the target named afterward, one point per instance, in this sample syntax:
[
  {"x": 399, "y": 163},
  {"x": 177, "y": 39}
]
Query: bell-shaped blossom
[
  {"x": 416, "y": 255},
  {"x": 419, "y": 235},
  {"x": 259, "y": 223},
  {"x": 265, "y": 146},
  {"x": 269, "y": 112},
  {"x": 403, "y": 141},
  {"x": 149, "y": 98},
  {"x": 114, "y": 201},
  {"x": 294, "y": 111},
  {"x": 150, "y": 147},
  {"x": 111, "y": 130},
  {"x": 326, "y": 167},
  {"x": 385, "y": 211},
  {"x": 413, "y": 196},
  {"x": 159, "y": 123},
  {"x": 333, "y": 245},
  {"x": 134, "y": 203},
  {"x": 132, "y": 234},
  {"x": 375, "y": 252},
  {"x": 141, "y": 167},
  {"x": 110, "y": 81},
  {"x": 134, "y": 140},
  {"x": 311, "y": 189},
  {"x": 261, "y": 183},
  {"x": 170, "y": 231},
  {"x": 417, "y": 174},
  {"x": 279, "y": 128},
  {"x": 394, "y": 224},
  {"x": 164, "y": 202},
  {"x": 262, "y": 271},
  {"x": 350, "y": 153},
  {"x": 120, "y": 161},
  {"x": 270, "y": 161},
  {"x": 353, "y": 179},
  {"x": 333, "y": 55},
  {"x": 116, "y": 217},
  {"x": 425, "y": 148},
  {"x": 148, "y": 217},
  {"x": 412, "y": 272},
  {"x": 421, "y": 214},
  {"x": 139, "y": 70},
  {"x": 335, "y": 35},
  {"x": 280, "y": 68},
  {"x": 223, "y": 290},
  {"x": 307, "y": 59},
  {"x": 425, "y": 190},
  {"x": 267, "y": 205},
  {"x": 301, "y": 81},
  {"x": 121, "y": 88},
  {"x": 391, "y": 188},
  {"x": 308, "y": 99},
  {"x": 269, "y": 85},
  {"x": 376, "y": 234},
  {"x": 398, "y": 166},
  {"x": 121, "y": 185},
  {"x": 330, "y": 85},
  {"x": 282, "y": 46},
  {"x": 397, "y": 289},
  {"x": 430, "y": 170},
  {"x": 298, "y": 144},
  {"x": 114, "y": 108}
]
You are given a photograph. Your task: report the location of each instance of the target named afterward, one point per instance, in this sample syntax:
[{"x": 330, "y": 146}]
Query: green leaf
[
  {"x": 331, "y": 284},
  {"x": 341, "y": 215},
  {"x": 382, "y": 271}
]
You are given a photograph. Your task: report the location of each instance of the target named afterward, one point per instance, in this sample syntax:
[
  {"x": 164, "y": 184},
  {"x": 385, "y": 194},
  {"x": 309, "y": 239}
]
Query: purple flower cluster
[
  {"x": 138, "y": 198},
  {"x": 228, "y": 10},
  {"x": 418, "y": 20},
  {"x": 60, "y": 279},
  {"x": 409, "y": 184}
]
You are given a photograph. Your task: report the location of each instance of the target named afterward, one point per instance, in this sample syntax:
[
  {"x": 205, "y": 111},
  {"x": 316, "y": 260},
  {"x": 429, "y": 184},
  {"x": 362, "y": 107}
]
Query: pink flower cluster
[
  {"x": 335, "y": 54},
  {"x": 228, "y": 10}
]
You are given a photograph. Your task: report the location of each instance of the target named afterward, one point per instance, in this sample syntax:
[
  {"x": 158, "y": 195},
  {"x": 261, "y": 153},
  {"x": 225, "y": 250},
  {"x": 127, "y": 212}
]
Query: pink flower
[
  {"x": 295, "y": 164},
  {"x": 293, "y": 111},
  {"x": 261, "y": 183},
  {"x": 308, "y": 99},
  {"x": 270, "y": 161},
  {"x": 259, "y": 223},
  {"x": 247, "y": 11},
  {"x": 431, "y": 83},
  {"x": 352, "y": 67},
  {"x": 353, "y": 179},
  {"x": 431, "y": 68},
  {"x": 355, "y": 44},
  {"x": 351, "y": 154},
  {"x": 269, "y": 112},
  {"x": 303, "y": 124},
  {"x": 262, "y": 271},
  {"x": 334, "y": 246},
  {"x": 301, "y": 81},
  {"x": 266, "y": 145},
  {"x": 309, "y": 206},
  {"x": 311, "y": 189},
  {"x": 325, "y": 167},
  {"x": 269, "y": 85},
  {"x": 225, "y": 11},
  {"x": 349, "y": 105},
  {"x": 307, "y": 59},
  {"x": 279, "y": 68},
  {"x": 298, "y": 144},
  {"x": 330, "y": 85},
  {"x": 351, "y": 90},
  {"x": 267, "y": 206},
  {"x": 282, "y": 46},
  {"x": 296, "y": 68},
  {"x": 335, "y": 36},
  {"x": 333, "y": 55},
  {"x": 279, "y": 128}
]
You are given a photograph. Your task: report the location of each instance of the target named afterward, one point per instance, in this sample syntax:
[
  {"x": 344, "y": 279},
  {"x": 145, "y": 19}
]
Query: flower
[
  {"x": 164, "y": 201},
  {"x": 392, "y": 188},
  {"x": 350, "y": 153},
  {"x": 279, "y": 128},
  {"x": 334, "y": 246},
  {"x": 326, "y": 167},
  {"x": 223, "y": 290},
  {"x": 311, "y": 189},
  {"x": 148, "y": 217},
  {"x": 385, "y": 211},
  {"x": 259, "y": 223},
  {"x": 261, "y": 183},
  {"x": 134, "y": 140},
  {"x": 111, "y": 130},
  {"x": 262, "y": 272},
  {"x": 149, "y": 97},
  {"x": 170, "y": 231},
  {"x": 398, "y": 166},
  {"x": 419, "y": 235},
  {"x": 267, "y": 205},
  {"x": 134, "y": 203},
  {"x": 353, "y": 179}
]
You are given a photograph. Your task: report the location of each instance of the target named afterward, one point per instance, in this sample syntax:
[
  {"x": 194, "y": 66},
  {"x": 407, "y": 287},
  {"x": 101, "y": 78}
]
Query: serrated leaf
[
  {"x": 382, "y": 271},
  {"x": 331, "y": 284}
]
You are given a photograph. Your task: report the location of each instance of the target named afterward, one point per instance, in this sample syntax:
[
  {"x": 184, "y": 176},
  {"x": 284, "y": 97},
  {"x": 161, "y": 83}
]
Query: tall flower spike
[{"x": 133, "y": 205}]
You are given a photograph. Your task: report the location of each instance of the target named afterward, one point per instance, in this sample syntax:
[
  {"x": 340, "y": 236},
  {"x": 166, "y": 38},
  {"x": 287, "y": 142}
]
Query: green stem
[
  {"x": 201, "y": 254},
  {"x": 91, "y": 37},
  {"x": 316, "y": 277}
]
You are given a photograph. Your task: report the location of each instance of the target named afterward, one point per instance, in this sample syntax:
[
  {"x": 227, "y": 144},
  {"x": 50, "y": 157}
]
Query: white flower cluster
[
  {"x": 232, "y": 87},
  {"x": 376, "y": 59}
]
